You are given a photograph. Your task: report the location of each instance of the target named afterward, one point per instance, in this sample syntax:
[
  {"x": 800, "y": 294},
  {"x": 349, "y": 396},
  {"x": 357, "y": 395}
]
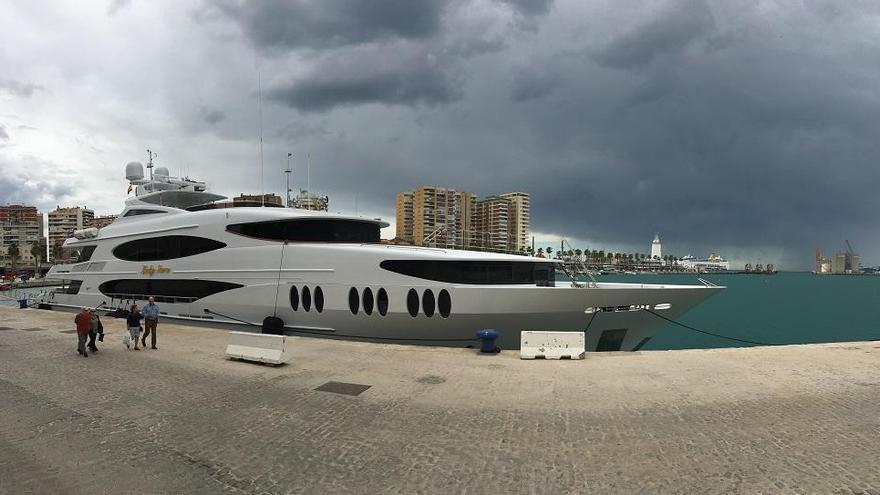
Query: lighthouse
[{"x": 656, "y": 252}]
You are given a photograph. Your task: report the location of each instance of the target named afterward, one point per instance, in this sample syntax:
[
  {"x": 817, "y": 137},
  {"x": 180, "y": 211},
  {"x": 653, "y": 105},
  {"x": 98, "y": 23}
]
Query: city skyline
[{"x": 722, "y": 126}]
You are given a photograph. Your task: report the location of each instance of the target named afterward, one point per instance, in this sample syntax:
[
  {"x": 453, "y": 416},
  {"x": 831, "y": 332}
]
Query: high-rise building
[
  {"x": 404, "y": 223},
  {"x": 493, "y": 223},
  {"x": 443, "y": 217},
  {"x": 63, "y": 221},
  {"x": 103, "y": 221},
  {"x": 656, "y": 249},
  {"x": 519, "y": 212},
  {"x": 20, "y": 225}
]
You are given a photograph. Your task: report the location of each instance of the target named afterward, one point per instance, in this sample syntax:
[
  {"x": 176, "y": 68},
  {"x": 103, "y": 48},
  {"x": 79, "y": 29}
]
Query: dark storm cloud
[
  {"x": 676, "y": 27},
  {"x": 18, "y": 88},
  {"x": 530, "y": 7},
  {"x": 280, "y": 24},
  {"x": 531, "y": 85},
  {"x": 354, "y": 79},
  {"x": 18, "y": 188},
  {"x": 211, "y": 116}
]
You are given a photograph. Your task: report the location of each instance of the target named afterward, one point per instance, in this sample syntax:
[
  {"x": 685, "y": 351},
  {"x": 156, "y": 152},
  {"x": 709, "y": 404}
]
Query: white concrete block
[
  {"x": 259, "y": 347},
  {"x": 551, "y": 345}
]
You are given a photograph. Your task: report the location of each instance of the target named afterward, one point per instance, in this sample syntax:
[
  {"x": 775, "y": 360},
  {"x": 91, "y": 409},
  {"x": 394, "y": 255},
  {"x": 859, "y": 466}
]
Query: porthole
[
  {"x": 306, "y": 299},
  {"x": 368, "y": 301},
  {"x": 353, "y": 300},
  {"x": 294, "y": 298},
  {"x": 319, "y": 299},
  {"x": 382, "y": 302},
  {"x": 444, "y": 303},
  {"x": 412, "y": 302},
  {"x": 428, "y": 303}
]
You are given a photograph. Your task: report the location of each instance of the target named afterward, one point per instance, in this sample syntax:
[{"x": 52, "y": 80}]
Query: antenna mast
[
  {"x": 260, "y": 100},
  {"x": 151, "y": 155},
  {"x": 309, "y": 179}
]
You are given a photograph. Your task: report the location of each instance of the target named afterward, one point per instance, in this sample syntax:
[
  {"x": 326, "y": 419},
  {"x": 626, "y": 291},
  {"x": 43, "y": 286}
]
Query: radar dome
[
  {"x": 134, "y": 171},
  {"x": 161, "y": 172}
]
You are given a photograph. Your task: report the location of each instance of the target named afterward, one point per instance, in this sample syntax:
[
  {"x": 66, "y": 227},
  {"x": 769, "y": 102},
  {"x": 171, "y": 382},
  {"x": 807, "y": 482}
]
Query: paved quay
[{"x": 183, "y": 419}]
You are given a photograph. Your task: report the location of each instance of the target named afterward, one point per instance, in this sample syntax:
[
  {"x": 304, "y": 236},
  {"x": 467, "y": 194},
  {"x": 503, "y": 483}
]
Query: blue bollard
[
  {"x": 487, "y": 340},
  {"x": 22, "y": 304}
]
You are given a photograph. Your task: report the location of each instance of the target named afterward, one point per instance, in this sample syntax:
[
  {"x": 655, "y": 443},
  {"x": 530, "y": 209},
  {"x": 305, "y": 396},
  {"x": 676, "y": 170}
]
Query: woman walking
[{"x": 133, "y": 321}]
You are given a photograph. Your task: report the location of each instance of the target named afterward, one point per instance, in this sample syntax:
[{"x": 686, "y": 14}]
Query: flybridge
[{"x": 163, "y": 190}]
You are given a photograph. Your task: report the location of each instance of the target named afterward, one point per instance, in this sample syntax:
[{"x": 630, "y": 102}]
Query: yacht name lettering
[{"x": 151, "y": 270}]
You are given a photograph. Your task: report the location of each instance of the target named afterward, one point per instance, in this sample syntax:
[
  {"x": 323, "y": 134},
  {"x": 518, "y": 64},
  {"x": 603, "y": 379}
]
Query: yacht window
[
  {"x": 368, "y": 301},
  {"x": 444, "y": 303},
  {"x": 319, "y": 299},
  {"x": 475, "y": 272},
  {"x": 72, "y": 287},
  {"x": 85, "y": 254},
  {"x": 164, "y": 290},
  {"x": 382, "y": 302},
  {"x": 307, "y": 299},
  {"x": 412, "y": 302},
  {"x": 294, "y": 298},
  {"x": 132, "y": 213},
  {"x": 353, "y": 300},
  {"x": 165, "y": 248},
  {"x": 428, "y": 303},
  {"x": 310, "y": 230}
]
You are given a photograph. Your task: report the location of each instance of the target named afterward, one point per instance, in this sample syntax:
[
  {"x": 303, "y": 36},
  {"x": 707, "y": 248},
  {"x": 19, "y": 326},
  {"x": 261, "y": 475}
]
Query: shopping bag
[{"x": 126, "y": 338}]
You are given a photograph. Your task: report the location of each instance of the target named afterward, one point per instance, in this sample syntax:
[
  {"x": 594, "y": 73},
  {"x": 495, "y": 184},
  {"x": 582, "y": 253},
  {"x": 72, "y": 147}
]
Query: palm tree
[
  {"x": 56, "y": 252},
  {"x": 13, "y": 253},
  {"x": 548, "y": 251},
  {"x": 578, "y": 252},
  {"x": 38, "y": 251}
]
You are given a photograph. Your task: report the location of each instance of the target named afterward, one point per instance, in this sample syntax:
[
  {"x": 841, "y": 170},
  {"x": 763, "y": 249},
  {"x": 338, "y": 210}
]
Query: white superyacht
[{"x": 322, "y": 274}]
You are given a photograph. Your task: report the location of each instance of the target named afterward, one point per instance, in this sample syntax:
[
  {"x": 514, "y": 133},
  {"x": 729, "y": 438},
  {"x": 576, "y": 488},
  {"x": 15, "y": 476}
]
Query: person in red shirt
[{"x": 83, "y": 322}]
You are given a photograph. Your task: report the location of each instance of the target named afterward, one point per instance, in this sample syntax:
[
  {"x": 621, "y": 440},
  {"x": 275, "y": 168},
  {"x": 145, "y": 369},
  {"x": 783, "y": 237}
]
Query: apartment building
[
  {"x": 443, "y": 217},
  {"x": 492, "y": 222},
  {"x": 435, "y": 216},
  {"x": 63, "y": 221},
  {"x": 103, "y": 221},
  {"x": 518, "y": 220},
  {"x": 20, "y": 225}
]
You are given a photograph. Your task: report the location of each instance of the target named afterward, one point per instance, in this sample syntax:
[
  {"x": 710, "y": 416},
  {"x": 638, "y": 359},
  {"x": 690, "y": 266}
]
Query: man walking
[
  {"x": 83, "y": 322},
  {"x": 151, "y": 319},
  {"x": 94, "y": 330}
]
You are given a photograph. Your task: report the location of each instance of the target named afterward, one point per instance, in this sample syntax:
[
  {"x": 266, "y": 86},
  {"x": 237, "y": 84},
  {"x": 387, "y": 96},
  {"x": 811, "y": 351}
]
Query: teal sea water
[{"x": 787, "y": 308}]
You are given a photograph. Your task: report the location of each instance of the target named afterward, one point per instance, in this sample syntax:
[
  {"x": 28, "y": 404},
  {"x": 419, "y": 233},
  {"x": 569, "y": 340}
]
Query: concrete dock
[{"x": 183, "y": 419}]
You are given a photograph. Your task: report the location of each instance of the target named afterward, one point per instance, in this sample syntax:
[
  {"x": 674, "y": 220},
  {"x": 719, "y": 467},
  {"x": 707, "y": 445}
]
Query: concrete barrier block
[
  {"x": 551, "y": 345},
  {"x": 258, "y": 347}
]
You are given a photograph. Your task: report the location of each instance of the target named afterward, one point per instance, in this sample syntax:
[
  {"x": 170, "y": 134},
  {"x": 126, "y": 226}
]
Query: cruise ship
[
  {"x": 714, "y": 263},
  {"x": 274, "y": 269}
]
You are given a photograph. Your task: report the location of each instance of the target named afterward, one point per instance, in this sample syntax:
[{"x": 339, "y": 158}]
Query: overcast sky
[{"x": 750, "y": 128}]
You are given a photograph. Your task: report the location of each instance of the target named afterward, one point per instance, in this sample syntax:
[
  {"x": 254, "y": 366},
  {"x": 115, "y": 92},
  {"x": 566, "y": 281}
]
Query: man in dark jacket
[
  {"x": 95, "y": 330},
  {"x": 83, "y": 322}
]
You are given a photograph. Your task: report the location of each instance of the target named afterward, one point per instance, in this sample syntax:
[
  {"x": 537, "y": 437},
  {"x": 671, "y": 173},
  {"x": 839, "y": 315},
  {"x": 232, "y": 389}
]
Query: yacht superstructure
[{"x": 330, "y": 275}]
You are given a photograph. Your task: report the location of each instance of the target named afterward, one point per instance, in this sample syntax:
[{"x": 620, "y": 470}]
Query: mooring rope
[{"x": 735, "y": 339}]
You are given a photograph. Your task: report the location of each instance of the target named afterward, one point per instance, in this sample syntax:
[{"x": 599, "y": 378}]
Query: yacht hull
[{"x": 614, "y": 316}]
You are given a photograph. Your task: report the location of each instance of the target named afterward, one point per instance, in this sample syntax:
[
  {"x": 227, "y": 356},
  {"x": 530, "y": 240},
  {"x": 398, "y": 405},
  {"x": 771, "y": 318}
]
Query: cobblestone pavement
[{"x": 801, "y": 419}]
